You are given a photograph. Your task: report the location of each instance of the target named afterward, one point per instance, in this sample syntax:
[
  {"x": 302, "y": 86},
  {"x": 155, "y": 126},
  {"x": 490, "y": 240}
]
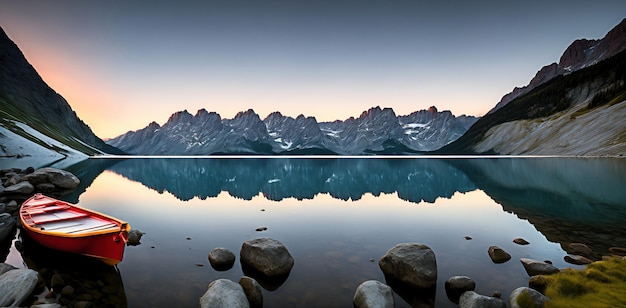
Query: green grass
[{"x": 601, "y": 284}]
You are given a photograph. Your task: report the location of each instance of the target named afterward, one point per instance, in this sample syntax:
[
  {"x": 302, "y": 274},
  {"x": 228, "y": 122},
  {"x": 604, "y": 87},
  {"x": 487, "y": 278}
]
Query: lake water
[{"x": 338, "y": 216}]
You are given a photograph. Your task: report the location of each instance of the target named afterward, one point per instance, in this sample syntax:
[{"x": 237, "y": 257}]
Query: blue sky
[{"x": 122, "y": 64}]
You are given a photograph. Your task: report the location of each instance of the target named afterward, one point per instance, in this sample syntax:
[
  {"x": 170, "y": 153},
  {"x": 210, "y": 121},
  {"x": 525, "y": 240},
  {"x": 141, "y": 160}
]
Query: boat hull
[
  {"x": 66, "y": 227},
  {"x": 109, "y": 247}
]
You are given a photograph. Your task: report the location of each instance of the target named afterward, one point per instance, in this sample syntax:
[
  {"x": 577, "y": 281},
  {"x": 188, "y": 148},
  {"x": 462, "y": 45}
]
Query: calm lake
[{"x": 338, "y": 216}]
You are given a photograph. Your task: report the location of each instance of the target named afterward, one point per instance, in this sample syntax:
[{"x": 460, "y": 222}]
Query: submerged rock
[
  {"x": 266, "y": 256},
  {"x": 498, "y": 255},
  {"x": 224, "y": 293},
  {"x": 412, "y": 264},
  {"x": 372, "y": 293}
]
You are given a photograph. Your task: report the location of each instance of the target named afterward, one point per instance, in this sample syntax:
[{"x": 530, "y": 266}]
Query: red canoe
[{"x": 68, "y": 227}]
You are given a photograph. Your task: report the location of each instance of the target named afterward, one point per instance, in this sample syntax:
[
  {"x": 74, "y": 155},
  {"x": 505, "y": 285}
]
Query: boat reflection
[{"x": 90, "y": 280}]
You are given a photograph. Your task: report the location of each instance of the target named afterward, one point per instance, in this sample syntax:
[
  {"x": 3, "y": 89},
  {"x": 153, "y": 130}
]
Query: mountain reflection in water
[
  {"x": 277, "y": 179},
  {"x": 546, "y": 191}
]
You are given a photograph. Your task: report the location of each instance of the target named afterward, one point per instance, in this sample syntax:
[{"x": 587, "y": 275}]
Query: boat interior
[{"x": 66, "y": 219}]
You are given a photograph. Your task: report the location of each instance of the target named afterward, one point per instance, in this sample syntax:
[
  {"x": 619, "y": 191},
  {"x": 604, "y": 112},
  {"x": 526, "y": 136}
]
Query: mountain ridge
[
  {"x": 579, "y": 54},
  {"x": 376, "y": 131}
]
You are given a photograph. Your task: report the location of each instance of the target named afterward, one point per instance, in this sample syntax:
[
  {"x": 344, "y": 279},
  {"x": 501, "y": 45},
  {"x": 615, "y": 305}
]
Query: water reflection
[
  {"x": 566, "y": 199},
  {"x": 89, "y": 279},
  {"x": 277, "y": 179},
  {"x": 336, "y": 243}
]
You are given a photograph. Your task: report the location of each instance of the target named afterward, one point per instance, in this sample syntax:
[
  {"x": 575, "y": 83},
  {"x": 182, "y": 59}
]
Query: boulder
[
  {"x": 7, "y": 224},
  {"x": 221, "y": 258},
  {"x": 266, "y": 256},
  {"x": 534, "y": 267},
  {"x": 457, "y": 285},
  {"x": 46, "y": 187},
  {"x": 576, "y": 259},
  {"x": 253, "y": 291},
  {"x": 412, "y": 264},
  {"x": 4, "y": 267},
  {"x": 11, "y": 207},
  {"x": 526, "y": 297},
  {"x": 134, "y": 237},
  {"x": 36, "y": 178},
  {"x": 373, "y": 293},
  {"x": 23, "y": 188},
  {"x": 539, "y": 283},
  {"x": 224, "y": 293},
  {"x": 16, "y": 286},
  {"x": 498, "y": 255},
  {"x": 57, "y": 177},
  {"x": 471, "y": 299}
]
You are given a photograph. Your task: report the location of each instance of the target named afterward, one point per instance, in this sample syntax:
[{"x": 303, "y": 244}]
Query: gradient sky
[{"x": 123, "y": 64}]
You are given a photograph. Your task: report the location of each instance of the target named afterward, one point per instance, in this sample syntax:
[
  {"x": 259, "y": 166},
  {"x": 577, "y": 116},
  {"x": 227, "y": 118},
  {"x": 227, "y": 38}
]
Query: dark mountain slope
[
  {"x": 598, "y": 85},
  {"x": 26, "y": 98}
]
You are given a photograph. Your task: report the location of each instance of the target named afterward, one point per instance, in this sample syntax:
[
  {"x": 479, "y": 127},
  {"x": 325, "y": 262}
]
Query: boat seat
[
  {"x": 45, "y": 209},
  {"x": 52, "y": 217},
  {"x": 96, "y": 228},
  {"x": 83, "y": 224}
]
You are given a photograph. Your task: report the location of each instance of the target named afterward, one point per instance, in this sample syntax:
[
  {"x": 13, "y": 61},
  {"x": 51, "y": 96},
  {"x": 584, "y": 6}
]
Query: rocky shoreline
[{"x": 410, "y": 269}]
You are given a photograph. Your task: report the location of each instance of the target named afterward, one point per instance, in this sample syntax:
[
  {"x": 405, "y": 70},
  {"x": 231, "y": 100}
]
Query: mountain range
[
  {"x": 375, "y": 131},
  {"x": 573, "y": 107}
]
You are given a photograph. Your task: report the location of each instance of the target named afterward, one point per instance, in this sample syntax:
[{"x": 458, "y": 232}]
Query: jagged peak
[
  {"x": 180, "y": 115},
  {"x": 153, "y": 125},
  {"x": 432, "y": 109},
  {"x": 372, "y": 111},
  {"x": 249, "y": 112},
  {"x": 201, "y": 111},
  {"x": 576, "y": 52}
]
